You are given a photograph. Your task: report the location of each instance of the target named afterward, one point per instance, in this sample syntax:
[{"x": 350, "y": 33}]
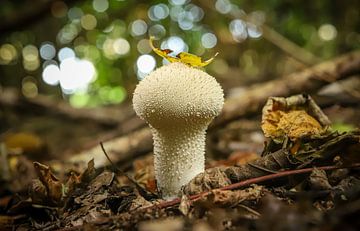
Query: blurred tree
[{"x": 90, "y": 52}]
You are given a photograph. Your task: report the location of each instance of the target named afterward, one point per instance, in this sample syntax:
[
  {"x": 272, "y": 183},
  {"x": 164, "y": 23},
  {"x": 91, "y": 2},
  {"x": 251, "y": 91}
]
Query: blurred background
[
  {"x": 64, "y": 63},
  {"x": 92, "y": 53}
]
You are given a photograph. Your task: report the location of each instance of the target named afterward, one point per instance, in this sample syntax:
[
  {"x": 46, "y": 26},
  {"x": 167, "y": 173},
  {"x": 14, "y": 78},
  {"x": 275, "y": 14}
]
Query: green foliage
[{"x": 113, "y": 35}]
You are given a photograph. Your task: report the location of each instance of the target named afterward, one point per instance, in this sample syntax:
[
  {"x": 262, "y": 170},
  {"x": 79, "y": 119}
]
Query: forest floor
[{"x": 275, "y": 161}]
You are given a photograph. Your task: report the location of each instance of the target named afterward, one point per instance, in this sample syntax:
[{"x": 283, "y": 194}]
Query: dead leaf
[
  {"x": 228, "y": 198},
  {"x": 183, "y": 57},
  {"x": 145, "y": 174},
  {"x": 185, "y": 205},
  {"x": 294, "y": 117},
  {"x": 54, "y": 188},
  {"x": 104, "y": 179}
]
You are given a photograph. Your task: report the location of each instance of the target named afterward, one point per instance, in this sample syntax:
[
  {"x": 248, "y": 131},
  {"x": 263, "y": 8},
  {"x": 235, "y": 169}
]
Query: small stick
[
  {"x": 249, "y": 182},
  {"x": 116, "y": 168},
  {"x": 229, "y": 187}
]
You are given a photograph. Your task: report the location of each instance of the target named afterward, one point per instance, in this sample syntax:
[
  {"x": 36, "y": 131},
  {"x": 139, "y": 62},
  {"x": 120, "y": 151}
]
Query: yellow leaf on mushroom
[{"x": 183, "y": 57}]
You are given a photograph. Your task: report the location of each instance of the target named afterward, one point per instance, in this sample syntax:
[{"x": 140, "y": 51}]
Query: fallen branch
[
  {"x": 166, "y": 204},
  {"x": 323, "y": 149},
  {"x": 248, "y": 182},
  {"x": 308, "y": 80},
  {"x": 119, "y": 150}
]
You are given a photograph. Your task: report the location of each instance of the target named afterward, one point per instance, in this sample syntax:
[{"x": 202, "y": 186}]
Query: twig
[
  {"x": 176, "y": 201},
  {"x": 142, "y": 191},
  {"x": 256, "y": 180},
  {"x": 254, "y": 97}
]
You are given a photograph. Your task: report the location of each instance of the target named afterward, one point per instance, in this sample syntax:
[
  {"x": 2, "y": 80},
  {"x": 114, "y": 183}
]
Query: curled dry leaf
[
  {"x": 294, "y": 117},
  {"x": 53, "y": 186}
]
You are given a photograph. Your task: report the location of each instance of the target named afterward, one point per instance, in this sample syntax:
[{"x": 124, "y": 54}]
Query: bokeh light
[
  {"x": 47, "y": 51},
  {"x": 68, "y": 33},
  {"x": 177, "y": 2},
  {"x": 186, "y": 20},
  {"x": 51, "y": 74},
  {"x": 157, "y": 31},
  {"x": 196, "y": 12},
  {"x": 138, "y": 27},
  {"x": 8, "y": 53},
  {"x": 121, "y": 46},
  {"x": 223, "y": 6},
  {"x": 158, "y": 12},
  {"x": 65, "y": 53},
  {"x": 100, "y": 5},
  {"x": 253, "y": 30},
  {"x": 327, "y": 32},
  {"x": 76, "y": 74},
  {"x": 237, "y": 28},
  {"x": 143, "y": 46},
  {"x": 29, "y": 87},
  {"x": 208, "y": 40},
  {"x": 145, "y": 64},
  {"x": 30, "y": 55},
  {"x": 75, "y": 13},
  {"x": 88, "y": 22}
]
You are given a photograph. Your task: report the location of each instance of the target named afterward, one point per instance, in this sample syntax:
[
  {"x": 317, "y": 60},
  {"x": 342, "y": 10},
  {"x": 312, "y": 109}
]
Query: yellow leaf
[
  {"x": 193, "y": 60},
  {"x": 183, "y": 57}
]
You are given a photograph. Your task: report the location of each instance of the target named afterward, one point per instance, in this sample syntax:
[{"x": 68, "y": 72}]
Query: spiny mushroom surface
[{"x": 178, "y": 102}]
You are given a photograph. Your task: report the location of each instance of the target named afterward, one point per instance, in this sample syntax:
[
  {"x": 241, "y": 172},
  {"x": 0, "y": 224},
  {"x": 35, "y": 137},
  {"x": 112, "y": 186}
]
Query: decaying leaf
[
  {"x": 185, "y": 205},
  {"x": 144, "y": 173},
  {"x": 228, "y": 198},
  {"x": 294, "y": 117},
  {"x": 183, "y": 57},
  {"x": 53, "y": 186}
]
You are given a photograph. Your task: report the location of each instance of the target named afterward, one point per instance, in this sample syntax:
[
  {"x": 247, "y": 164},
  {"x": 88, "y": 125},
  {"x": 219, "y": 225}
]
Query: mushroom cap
[{"x": 178, "y": 93}]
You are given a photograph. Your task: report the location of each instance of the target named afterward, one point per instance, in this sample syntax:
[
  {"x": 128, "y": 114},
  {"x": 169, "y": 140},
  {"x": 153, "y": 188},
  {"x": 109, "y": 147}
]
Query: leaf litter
[{"x": 306, "y": 179}]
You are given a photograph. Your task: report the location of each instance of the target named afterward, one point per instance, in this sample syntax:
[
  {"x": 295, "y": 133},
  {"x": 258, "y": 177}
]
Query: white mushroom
[{"x": 178, "y": 102}]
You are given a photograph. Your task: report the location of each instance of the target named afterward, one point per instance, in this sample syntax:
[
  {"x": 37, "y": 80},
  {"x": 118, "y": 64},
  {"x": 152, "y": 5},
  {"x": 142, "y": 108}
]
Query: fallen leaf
[
  {"x": 294, "y": 117},
  {"x": 228, "y": 198},
  {"x": 54, "y": 188},
  {"x": 183, "y": 57}
]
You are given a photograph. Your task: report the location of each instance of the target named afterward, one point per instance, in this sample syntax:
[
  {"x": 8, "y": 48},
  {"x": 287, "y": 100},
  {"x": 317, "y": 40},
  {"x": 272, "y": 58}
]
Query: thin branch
[
  {"x": 142, "y": 190},
  {"x": 248, "y": 182}
]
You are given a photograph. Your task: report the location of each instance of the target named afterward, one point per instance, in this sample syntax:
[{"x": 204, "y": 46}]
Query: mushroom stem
[{"x": 176, "y": 163}]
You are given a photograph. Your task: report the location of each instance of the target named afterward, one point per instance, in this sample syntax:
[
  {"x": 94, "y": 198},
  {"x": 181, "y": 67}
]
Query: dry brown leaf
[
  {"x": 294, "y": 117},
  {"x": 144, "y": 173},
  {"x": 228, "y": 198},
  {"x": 54, "y": 188}
]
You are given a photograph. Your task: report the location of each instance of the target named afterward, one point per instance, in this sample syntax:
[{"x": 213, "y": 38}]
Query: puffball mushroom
[{"x": 178, "y": 102}]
